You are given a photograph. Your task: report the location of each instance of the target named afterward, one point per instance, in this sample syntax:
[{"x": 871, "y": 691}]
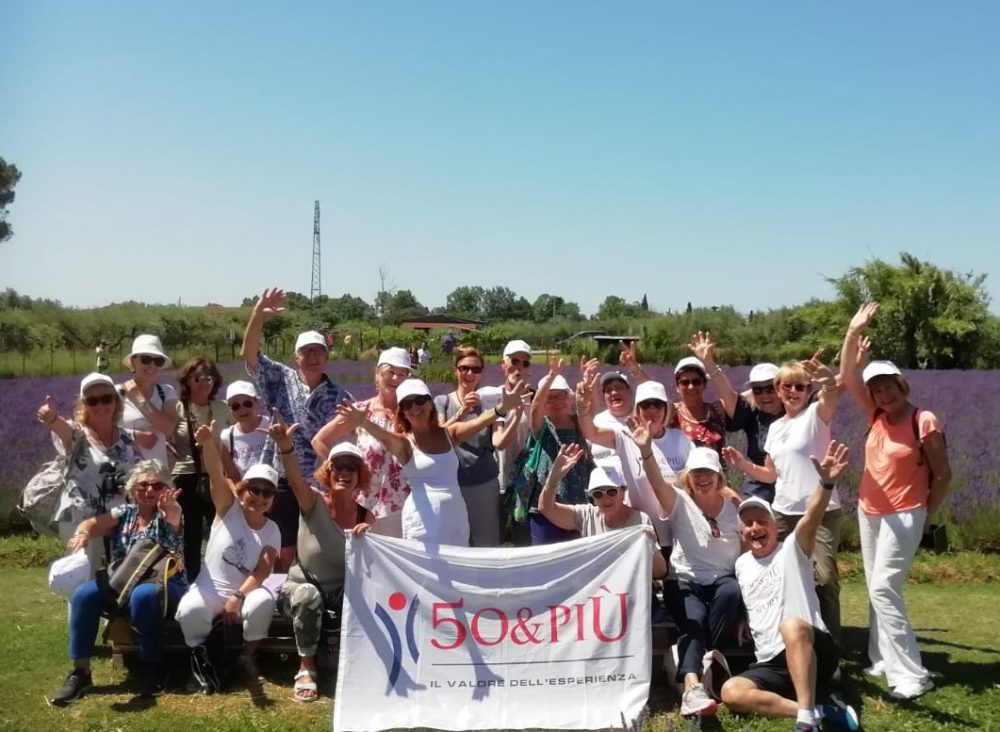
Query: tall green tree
[
  {"x": 928, "y": 317},
  {"x": 465, "y": 301},
  {"x": 9, "y": 176}
]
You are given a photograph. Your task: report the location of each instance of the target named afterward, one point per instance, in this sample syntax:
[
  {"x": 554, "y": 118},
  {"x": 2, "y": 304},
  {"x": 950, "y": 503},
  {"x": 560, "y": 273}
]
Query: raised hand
[
  {"x": 864, "y": 350},
  {"x": 819, "y": 372},
  {"x": 555, "y": 366},
  {"x": 205, "y": 434},
  {"x": 132, "y": 391},
  {"x": 279, "y": 429},
  {"x": 642, "y": 435},
  {"x": 734, "y": 457},
  {"x": 863, "y": 318},
  {"x": 167, "y": 505},
  {"x": 512, "y": 396},
  {"x": 702, "y": 346},
  {"x": 628, "y": 357},
  {"x": 354, "y": 416},
  {"x": 833, "y": 464},
  {"x": 271, "y": 302},
  {"x": 569, "y": 455},
  {"x": 589, "y": 366},
  {"x": 47, "y": 413}
]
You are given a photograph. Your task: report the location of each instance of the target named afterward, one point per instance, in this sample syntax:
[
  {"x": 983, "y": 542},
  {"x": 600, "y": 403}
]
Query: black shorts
[{"x": 773, "y": 675}]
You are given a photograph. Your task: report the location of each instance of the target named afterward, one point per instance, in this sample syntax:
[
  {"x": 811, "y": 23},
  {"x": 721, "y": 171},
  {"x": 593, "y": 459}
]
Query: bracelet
[
  {"x": 499, "y": 414},
  {"x": 827, "y": 486},
  {"x": 84, "y": 534},
  {"x": 646, "y": 457},
  {"x": 828, "y": 387},
  {"x": 716, "y": 372},
  {"x": 289, "y": 451},
  {"x": 239, "y": 596}
]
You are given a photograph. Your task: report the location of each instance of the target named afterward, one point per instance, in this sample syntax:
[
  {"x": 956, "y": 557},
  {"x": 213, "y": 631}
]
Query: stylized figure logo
[{"x": 397, "y": 601}]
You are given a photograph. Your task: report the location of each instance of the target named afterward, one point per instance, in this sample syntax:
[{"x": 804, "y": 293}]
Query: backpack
[{"x": 41, "y": 495}]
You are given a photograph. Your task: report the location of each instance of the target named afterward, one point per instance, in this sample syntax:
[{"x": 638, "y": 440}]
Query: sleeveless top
[
  {"x": 389, "y": 488},
  {"x": 435, "y": 511}
]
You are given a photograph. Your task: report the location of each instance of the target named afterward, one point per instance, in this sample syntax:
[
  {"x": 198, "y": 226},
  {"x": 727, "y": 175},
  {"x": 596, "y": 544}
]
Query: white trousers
[
  {"x": 888, "y": 546},
  {"x": 200, "y": 606}
]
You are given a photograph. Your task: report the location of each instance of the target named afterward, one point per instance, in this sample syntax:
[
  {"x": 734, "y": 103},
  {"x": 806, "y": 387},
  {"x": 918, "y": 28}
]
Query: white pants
[
  {"x": 888, "y": 546},
  {"x": 200, "y": 605}
]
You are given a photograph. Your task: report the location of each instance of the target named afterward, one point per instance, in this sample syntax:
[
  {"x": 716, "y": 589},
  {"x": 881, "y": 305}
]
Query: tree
[
  {"x": 546, "y": 307},
  {"x": 644, "y": 303},
  {"x": 466, "y": 301},
  {"x": 612, "y": 308},
  {"x": 928, "y": 317},
  {"x": 9, "y": 176},
  {"x": 502, "y": 303}
]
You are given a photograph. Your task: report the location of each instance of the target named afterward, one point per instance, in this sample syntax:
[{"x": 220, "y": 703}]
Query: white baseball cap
[
  {"x": 146, "y": 345},
  {"x": 260, "y": 471},
  {"x": 516, "y": 346},
  {"x": 703, "y": 458},
  {"x": 689, "y": 363},
  {"x": 69, "y": 572},
  {"x": 345, "y": 448},
  {"x": 755, "y": 502},
  {"x": 762, "y": 372},
  {"x": 309, "y": 338},
  {"x": 395, "y": 356},
  {"x": 411, "y": 387},
  {"x": 650, "y": 390},
  {"x": 604, "y": 476},
  {"x": 559, "y": 383},
  {"x": 241, "y": 388},
  {"x": 94, "y": 378},
  {"x": 880, "y": 368}
]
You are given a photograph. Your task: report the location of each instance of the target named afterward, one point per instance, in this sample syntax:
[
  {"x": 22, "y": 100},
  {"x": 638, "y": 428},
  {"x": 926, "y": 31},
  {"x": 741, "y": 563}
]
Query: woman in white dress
[
  {"x": 148, "y": 404},
  {"x": 434, "y": 511}
]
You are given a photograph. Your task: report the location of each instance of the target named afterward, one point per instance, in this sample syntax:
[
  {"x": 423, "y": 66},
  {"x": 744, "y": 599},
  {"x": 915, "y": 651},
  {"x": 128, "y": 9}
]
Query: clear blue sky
[{"x": 717, "y": 153}]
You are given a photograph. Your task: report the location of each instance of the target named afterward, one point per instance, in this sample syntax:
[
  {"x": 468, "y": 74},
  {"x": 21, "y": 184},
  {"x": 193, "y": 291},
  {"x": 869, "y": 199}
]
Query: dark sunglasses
[
  {"x": 246, "y": 404},
  {"x": 794, "y": 387},
  {"x": 349, "y": 467},
  {"x": 522, "y": 362},
  {"x": 93, "y": 401},
  {"x": 690, "y": 382},
  {"x": 157, "y": 361},
  {"x": 769, "y": 389},
  {"x": 651, "y": 404},
  {"x": 417, "y": 401},
  {"x": 598, "y": 495},
  {"x": 257, "y": 490},
  {"x": 470, "y": 369},
  {"x": 204, "y": 379},
  {"x": 156, "y": 485},
  {"x": 713, "y": 524}
]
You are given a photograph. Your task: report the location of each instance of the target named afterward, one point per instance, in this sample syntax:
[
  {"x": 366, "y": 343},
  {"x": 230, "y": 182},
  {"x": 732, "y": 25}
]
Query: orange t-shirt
[{"x": 896, "y": 476}]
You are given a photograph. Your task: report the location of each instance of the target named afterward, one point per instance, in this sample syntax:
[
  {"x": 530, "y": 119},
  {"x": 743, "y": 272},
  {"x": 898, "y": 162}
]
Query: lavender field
[{"x": 968, "y": 403}]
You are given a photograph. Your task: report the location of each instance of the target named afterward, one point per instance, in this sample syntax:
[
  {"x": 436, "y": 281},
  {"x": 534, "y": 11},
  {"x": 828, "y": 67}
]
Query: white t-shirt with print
[
  {"x": 778, "y": 586},
  {"x": 606, "y": 420},
  {"x": 790, "y": 442},
  {"x": 697, "y": 555},
  {"x": 246, "y": 448},
  {"x": 133, "y": 419},
  {"x": 233, "y": 551}
]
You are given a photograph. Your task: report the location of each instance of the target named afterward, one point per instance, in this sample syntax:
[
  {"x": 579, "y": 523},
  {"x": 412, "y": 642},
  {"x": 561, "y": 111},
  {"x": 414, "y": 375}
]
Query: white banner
[{"x": 553, "y": 637}]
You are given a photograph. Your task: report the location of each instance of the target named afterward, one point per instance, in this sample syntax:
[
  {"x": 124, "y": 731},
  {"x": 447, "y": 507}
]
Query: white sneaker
[
  {"x": 877, "y": 669},
  {"x": 912, "y": 689},
  {"x": 696, "y": 703}
]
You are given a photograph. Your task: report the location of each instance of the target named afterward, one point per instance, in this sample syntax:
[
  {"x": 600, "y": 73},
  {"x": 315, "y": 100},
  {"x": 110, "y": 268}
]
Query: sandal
[{"x": 305, "y": 681}]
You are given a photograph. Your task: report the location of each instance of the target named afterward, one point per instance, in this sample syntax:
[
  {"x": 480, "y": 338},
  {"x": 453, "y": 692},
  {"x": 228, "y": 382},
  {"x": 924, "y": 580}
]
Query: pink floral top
[{"x": 388, "y": 489}]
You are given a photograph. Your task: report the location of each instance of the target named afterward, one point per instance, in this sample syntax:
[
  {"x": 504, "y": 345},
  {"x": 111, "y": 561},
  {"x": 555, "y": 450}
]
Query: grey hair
[{"x": 144, "y": 468}]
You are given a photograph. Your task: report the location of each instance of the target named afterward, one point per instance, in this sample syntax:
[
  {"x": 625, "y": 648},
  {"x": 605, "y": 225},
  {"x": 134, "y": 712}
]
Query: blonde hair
[
  {"x": 80, "y": 410},
  {"x": 684, "y": 481},
  {"x": 792, "y": 372}
]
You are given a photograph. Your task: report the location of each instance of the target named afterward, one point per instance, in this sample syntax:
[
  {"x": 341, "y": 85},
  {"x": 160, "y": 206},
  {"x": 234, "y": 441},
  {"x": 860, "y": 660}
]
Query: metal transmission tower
[{"x": 316, "y": 289}]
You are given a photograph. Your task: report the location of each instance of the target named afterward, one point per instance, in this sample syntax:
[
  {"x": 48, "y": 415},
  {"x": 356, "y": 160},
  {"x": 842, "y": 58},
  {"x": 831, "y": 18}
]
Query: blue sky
[{"x": 714, "y": 153}]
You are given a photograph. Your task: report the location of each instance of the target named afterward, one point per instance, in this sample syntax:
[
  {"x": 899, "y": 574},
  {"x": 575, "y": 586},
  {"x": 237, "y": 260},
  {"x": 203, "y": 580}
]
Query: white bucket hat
[
  {"x": 69, "y": 572},
  {"x": 147, "y": 345}
]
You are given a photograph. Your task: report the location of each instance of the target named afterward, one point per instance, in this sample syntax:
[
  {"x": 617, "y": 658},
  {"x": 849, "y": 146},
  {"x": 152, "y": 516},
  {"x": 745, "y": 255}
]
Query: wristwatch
[
  {"x": 239, "y": 596},
  {"x": 500, "y": 413}
]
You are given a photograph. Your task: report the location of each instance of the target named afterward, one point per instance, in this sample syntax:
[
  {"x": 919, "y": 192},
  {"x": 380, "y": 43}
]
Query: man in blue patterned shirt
[{"x": 305, "y": 395}]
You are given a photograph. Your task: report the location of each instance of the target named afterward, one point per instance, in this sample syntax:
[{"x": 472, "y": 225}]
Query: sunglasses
[
  {"x": 157, "y": 361},
  {"x": 651, "y": 404},
  {"x": 267, "y": 492},
  {"x": 471, "y": 369},
  {"x": 762, "y": 389},
  {"x": 713, "y": 524},
  {"x": 690, "y": 382},
  {"x": 598, "y": 495},
  {"x": 156, "y": 485},
  {"x": 93, "y": 401},
  {"x": 417, "y": 401},
  {"x": 522, "y": 362},
  {"x": 350, "y": 467},
  {"x": 794, "y": 387},
  {"x": 246, "y": 404},
  {"x": 205, "y": 379}
]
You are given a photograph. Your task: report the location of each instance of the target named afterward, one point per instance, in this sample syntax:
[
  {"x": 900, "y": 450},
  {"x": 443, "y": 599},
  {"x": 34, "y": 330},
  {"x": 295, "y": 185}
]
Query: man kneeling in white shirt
[{"x": 795, "y": 652}]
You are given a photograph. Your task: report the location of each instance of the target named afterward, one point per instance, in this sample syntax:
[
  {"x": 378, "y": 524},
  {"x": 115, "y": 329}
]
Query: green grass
[{"x": 956, "y": 625}]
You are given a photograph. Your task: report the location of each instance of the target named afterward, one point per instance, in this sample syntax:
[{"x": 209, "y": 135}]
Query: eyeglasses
[
  {"x": 713, "y": 524},
  {"x": 351, "y": 467},
  {"x": 246, "y": 404},
  {"x": 794, "y": 387},
  {"x": 471, "y": 369},
  {"x": 417, "y": 401},
  {"x": 267, "y": 492},
  {"x": 522, "y": 362},
  {"x": 690, "y": 382},
  {"x": 651, "y": 404},
  {"x": 598, "y": 495},
  {"x": 769, "y": 389},
  {"x": 156, "y": 485},
  {"x": 205, "y": 379},
  {"x": 93, "y": 401},
  {"x": 157, "y": 361}
]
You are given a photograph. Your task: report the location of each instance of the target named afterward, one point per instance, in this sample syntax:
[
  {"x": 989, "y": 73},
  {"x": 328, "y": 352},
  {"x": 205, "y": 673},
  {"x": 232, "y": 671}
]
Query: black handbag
[{"x": 146, "y": 561}]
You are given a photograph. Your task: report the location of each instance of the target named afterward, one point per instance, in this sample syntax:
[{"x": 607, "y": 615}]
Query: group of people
[{"x": 290, "y": 462}]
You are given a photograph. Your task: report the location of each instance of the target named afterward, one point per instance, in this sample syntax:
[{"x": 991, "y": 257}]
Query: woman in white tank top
[{"x": 434, "y": 512}]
